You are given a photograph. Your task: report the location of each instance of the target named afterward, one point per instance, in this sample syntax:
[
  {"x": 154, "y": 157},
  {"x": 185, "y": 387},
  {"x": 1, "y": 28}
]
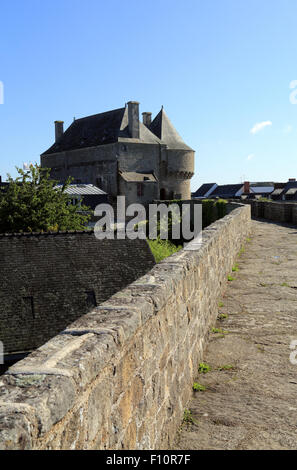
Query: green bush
[
  {"x": 213, "y": 210},
  {"x": 32, "y": 203},
  {"x": 163, "y": 248}
]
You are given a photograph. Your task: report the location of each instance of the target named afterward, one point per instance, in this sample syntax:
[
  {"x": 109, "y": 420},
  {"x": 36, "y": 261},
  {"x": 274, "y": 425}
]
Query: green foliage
[
  {"x": 203, "y": 368},
  {"x": 162, "y": 248},
  {"x": 213, "y": 210},
  {"x": 235, "y": 268},
  {"x": 241, "y": 251},
  {"x": 230, "y": 278},
  {"x": 219, "y": 330},
  {"x": 31, "y": 204},
  {"x": 226, "y": 367},
  {"x": 222, "y": 316},
  {"x": 188, "y": 417},
  {"x": 198, "y": 387},
  {"x": 221, "y": 304}
]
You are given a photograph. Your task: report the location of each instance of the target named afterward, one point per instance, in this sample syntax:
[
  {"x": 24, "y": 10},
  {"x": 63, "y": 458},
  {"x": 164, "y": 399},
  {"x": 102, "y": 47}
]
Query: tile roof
[
  {"x": 204, "y": 188},
  {"x": 277, "y": 192},
  {"x": 262, "y": 184},
  {"x": 227, "y": 190},
  {"x": 86, "y": 189},
  {"x": 90, "y": 131},
  {"x": 291, "y": 191},
  {"x": 289, "y": 185},
  {"x": 100, "y": 129}
]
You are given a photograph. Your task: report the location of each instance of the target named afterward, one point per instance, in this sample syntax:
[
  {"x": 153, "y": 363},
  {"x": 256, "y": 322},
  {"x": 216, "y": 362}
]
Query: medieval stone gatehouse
[{"x": 123, "y": 156}]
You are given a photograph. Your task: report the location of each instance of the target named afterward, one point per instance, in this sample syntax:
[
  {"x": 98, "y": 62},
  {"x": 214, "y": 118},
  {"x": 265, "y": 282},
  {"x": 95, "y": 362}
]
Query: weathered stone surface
[
  {"x": 56, "y": 278},
  {"x": 252, "y": 405},
  {"x": 278, "y": 211},
  {"x": 17, "y": 424},
  {"x": 50, "y": 396},
  {"x": 120, "y": 376}
]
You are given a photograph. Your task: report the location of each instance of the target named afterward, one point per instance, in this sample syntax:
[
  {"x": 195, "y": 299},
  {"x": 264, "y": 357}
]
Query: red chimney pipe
[{"x": 246, "y": 188}]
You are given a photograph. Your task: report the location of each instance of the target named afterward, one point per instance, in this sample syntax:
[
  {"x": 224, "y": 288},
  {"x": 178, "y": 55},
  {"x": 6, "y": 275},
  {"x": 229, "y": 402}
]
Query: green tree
[{"x": 33, "y": 204}]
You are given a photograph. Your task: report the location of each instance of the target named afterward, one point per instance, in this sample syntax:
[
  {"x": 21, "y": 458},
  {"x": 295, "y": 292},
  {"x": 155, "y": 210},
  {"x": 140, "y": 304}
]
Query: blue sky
[{"x": 219, "y": 67}]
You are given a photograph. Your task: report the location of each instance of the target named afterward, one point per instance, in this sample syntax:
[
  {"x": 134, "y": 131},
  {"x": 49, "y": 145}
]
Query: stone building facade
[{"x": 123, "y": 156}]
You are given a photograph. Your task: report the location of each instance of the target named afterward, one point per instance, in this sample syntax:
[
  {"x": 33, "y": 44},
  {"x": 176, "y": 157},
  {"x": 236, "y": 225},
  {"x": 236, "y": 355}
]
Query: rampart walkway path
[{"x": 250, "y": 401}]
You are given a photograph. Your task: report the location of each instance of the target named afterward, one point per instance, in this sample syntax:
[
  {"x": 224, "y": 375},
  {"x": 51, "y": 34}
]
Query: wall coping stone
[{"x": 51, "y": 379}]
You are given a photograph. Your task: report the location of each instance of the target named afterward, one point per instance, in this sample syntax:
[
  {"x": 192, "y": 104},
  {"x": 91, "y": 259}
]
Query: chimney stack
[
  {"x": 147, "y": 119},
  {"x": 292, "y": 180},
  {"x": 246, "y": 187},
  {"x": 59, "y": 130},
  {"x": 133, "y": 119}
]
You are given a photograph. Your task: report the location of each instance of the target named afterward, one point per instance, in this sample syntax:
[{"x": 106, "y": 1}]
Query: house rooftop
[
  {"x": 227, "y": 190},
  {"x": 164, "y": 129},
  {"x": 83, "y": 189},
  {"x": 113, "y": 126},
  {"x": 204, "y": 189}
]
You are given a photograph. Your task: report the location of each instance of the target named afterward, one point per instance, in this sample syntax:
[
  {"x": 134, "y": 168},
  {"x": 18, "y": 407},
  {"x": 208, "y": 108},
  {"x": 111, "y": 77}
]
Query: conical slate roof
[
  {"x": 164, "y": 129},
  {"x": 112, "y": 126}
]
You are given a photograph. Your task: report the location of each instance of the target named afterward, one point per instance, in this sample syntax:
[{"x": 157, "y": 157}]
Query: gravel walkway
[{"x": 250, "y": 401}]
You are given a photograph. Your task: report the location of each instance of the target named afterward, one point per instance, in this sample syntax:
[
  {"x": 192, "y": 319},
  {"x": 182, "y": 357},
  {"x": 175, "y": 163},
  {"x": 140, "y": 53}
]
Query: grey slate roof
[
  {"x": 90, "y": 131},
  {"x": 226, "y": 190},
  {"x": 164, "y": 129},
  {"x": 262, "y": 184},
  {"x": 277, "y": 192},
  {"x": 99, "y": 129},
  {"x": 291, "y": 191},
  {"x": 204, "y": 188},
  {"x": 289, "y": 185}
]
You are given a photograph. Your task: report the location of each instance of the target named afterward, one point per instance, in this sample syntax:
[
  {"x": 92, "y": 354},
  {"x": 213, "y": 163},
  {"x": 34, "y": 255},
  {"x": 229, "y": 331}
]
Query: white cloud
[
  {"x": 259, "y": 126},
  {"x": 251, "y": 156}
]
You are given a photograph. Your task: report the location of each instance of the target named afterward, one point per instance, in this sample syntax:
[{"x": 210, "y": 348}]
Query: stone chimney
[
  {"x": 133, "y": 119},
  {"x": 292, "y": 180},
  {"x": 59, "y": 130},
  {"x": 246, "y": 187},
  {"x": 147, "y": 119}
]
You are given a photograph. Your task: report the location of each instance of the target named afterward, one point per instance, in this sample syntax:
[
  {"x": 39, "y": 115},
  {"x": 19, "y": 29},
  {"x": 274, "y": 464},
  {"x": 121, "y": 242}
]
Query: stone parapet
[{"x": 121, "y": 376}]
